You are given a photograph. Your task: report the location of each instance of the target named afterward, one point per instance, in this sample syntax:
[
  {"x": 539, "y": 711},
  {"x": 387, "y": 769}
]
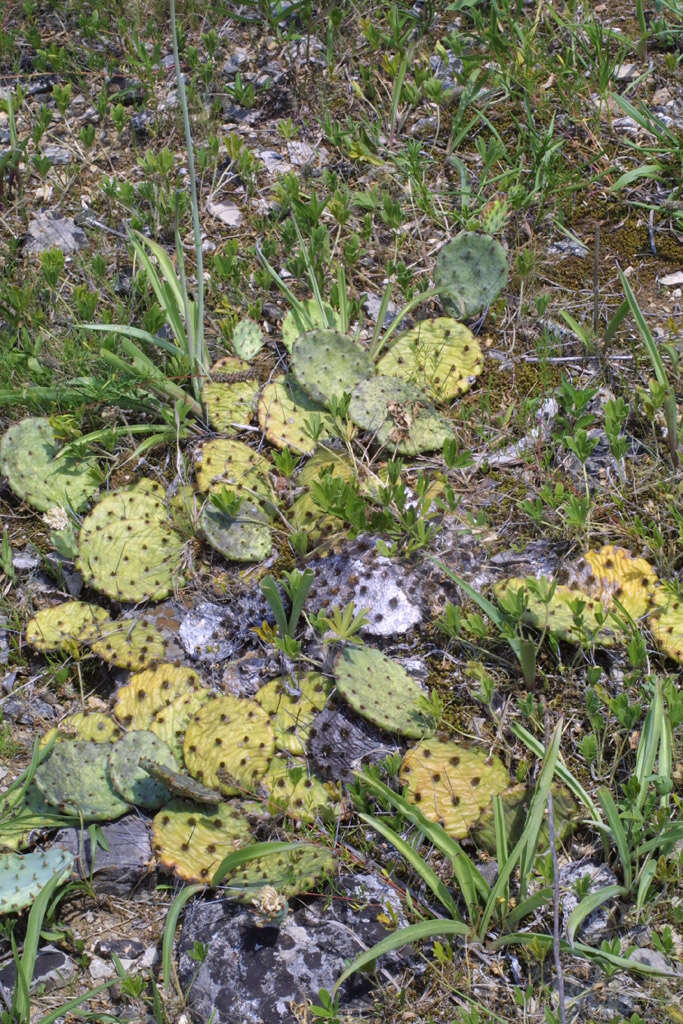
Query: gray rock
[
  {"x": 120, "y": 869},
  {"x": 57, "y": 154},
  {"x": 339, "y": 744},
  {"x": 652, "y": 958},
  {"x": 47, "y": 231},
  {"x": 596, "y": 924},
  {"x": 130, "y": 949},
  {"x": 205, "y": 633},
  {"x": 53, "y": 969},
  {"x": 255, "y": 975}
]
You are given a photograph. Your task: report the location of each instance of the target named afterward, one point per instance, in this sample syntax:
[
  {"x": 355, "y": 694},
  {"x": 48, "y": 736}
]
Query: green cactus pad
[
  {"x": 327, "y": 318},
  {"x": 192, "y": 841},
  {"x": 381, "y": 690},
  {"x": 65, "y": 624},
  {"x": 290, "y": 715},
  {"x": 129, "y": 778},
  {"x": 451, "y": 784},
  {"x": 236, "y": 466},
  {"x": 74, "y": 777},
  {"x": 296, "y": 794},
  {"x": 130, "y": 643},
  {"x": 128, "y": 549},
  {"x": 180, "y": 784},
  {"x": 284, "y": 412},
  {"x": 300, "y": 869},
  {"x": 666, "y": 623},
  {"x": 474, "y": 268},
  {"x": 516, "y": 801},
  {"x": 28, "y": 453},
  {"x": 557, "y": 616},
  {"x": 247, "y": 339},
  {"x": 148, "y": 692},
  {"x": 170, "y": 722},
  {"x": 399, "y": 416},
  {"x": 23, "y": 876},
  {"x": 327, "y": 364},
  {"x": 442, "y": 357},
  {"x": 242, "y": 537},
  {"x": 230, "y": 397},
  {"x": 228, "y": 744}
]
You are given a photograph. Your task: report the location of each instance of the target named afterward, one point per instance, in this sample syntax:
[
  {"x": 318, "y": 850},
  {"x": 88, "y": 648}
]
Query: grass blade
[
  {"x": 618, "y": 834},
  {"x": 589, "y": 904},
  {"x": 170, "y": 927}
]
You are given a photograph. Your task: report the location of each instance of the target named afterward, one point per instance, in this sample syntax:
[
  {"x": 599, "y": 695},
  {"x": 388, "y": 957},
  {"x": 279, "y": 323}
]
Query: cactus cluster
[
  {"x": 28, "y": 458},
  {"x": 451, "y": 784},
  {"x": 381, "y": 690},
  {"x": 128, "y": 549},
  {"x": 328, "y": 364},
  {"x": 440, "y": 356},
  {"x": 230, "y": 396},
  {"x": 473, "y": 268},
  {"x": 398, "y": 415}
]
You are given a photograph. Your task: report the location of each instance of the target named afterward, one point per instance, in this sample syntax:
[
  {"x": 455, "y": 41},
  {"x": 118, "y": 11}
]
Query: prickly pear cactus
[
  {"x": 305, "y": 514},
  {"x": 451, "y": 784},
  {"x": 128, "y": 549},
  {"x": 296, "y": 794},
  {"x": 297, "y": 870},
  {"x": 558, "y": 615},
  {"x": 614, "y": 572},
  {"x": 242, "y": 537},
  {"x": 232, "y": 464},
  {"x": 381, "y": 690},
  {"x": 130, "y": 643},
  {"x": 28, "y": 453},
  {"x": 292, "y": 706},
  {"x": 130, "y": 779},
  {"x": 666, "y": 623},
  {"x": 325, "y": 318},
  {"x": 180, "y": 784},
  {"x": 23, "y": 876},
  {"x": 516, "y": 801},
  {"x": 327, "y": 364},
  {"x": 74, "y": 777},
  {"x": 65, "y": 624},
  {"x": 228, "y": 745},
  {"x": 86, "y": 725},
  {"x": 474, "y": 268},
  {"x": 442, "y": 357},
  {"x": 146, "y": 693},
  {"x": 192, "y": 841},
  {"x": 247, "y": 339},
  {"x": 398, "y": 415},
  {"x": 170, "y": 722},
  {"x": 230, "y": 396},
  {"x": 284, "y": 415}
]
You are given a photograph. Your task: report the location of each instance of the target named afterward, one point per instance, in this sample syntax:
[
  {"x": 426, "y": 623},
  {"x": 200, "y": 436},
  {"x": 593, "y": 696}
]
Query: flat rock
[
  {"x": 255, "y": 975},
  {"x": 47, "y": 231},
  {"x": 53, "y": 969},
  {"x": 121, "y": 868},
  {"x": 340, "y": 744}
]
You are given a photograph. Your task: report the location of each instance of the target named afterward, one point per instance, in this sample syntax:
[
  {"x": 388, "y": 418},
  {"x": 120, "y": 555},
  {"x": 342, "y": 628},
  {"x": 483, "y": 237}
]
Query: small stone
[
  {"x": 56, "y": 154},
  {"x": 227, "y": 213},
  {"x": 47, "y": 231},
  {"x": 99, "y": 969},
  {"x": 131, "y": 949}
]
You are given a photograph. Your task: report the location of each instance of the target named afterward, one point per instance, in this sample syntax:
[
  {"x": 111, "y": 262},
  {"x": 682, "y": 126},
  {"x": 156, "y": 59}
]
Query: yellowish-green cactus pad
[
  {"x": 148, "y": 692},
  {"x": 228, "y": 744},
  {"x": 442, "y": 357},
  {"x": 192, "y": 841}
]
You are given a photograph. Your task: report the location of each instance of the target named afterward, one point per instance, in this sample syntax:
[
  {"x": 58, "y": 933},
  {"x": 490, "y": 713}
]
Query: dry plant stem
[{"x": 556, "y": 888}]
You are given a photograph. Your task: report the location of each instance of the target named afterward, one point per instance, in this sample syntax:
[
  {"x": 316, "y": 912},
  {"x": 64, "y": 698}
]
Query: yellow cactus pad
[
  {"x": 170, "y": 722},
  {"x": 283, "y": 414},
  {"x": 192, "y": 842},
  {"x": 64, "y": 624},
  {"x": 228, "y": 744},
  {"x": 666, "y": 623},
  {"x": 440, "y": 356},
  {"x": 558, "y": 616},
  {"x": 451, "y": 784},
  {"x": 295, "y": 793},
  {"x": 291, "y": 716},
  {"x": 148, "y": 692},
  {"x": 230, "y": 397},
  {"x": 616, "y": 573},
  {"x": 130, "y": 643},
  {"x": 232, "y": 464}
]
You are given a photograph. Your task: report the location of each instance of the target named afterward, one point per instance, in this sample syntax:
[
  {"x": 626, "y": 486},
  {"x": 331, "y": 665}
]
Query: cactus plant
[
  {"x": 284, "y": 412},
  {"x": 244, "y": 536},
  {"x": 327, "y": 364},
  {"x": 230, "y": 396},
  {"x": 295, "y": 793},
  {"x": 180, "y": 784},
  {"x": 516, "y": 801},
  {"x": 474, "y": 269},
  {"x": 594, "y": 626},
  {"x": 381, "y": 690},
  {"x": 23, "y": 876},
  {"x": 228, "y": 744},
  {"x": 399, "y": 416},
  {"x": 247, "y": 339},
  {"x": 325, "y": 318},
  {"x": 85, "y": 725},
  {"x": 130, "y": 643},
  {"x": 442, "y": 357},
  {"x": 290, "y": 871},
  {"x": 666, "y": 623},
  {"x": 170, "y": 722},
  {"x": 192, "y": 841},
  {"x": 232, "y": 464},
  {"x": 129, "y": 778},
  {"x": 451, "y": 784},
  {"x": 148, "y": 692},
  {"x": 74, "y": 777},
  {"x": 614, "y": 572},
  {"x": 65, "y": 624},
  {"x": 128, "y": 549},
  {"x": 28, "y": 453},
  {"x": 290, "y": 715}
]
